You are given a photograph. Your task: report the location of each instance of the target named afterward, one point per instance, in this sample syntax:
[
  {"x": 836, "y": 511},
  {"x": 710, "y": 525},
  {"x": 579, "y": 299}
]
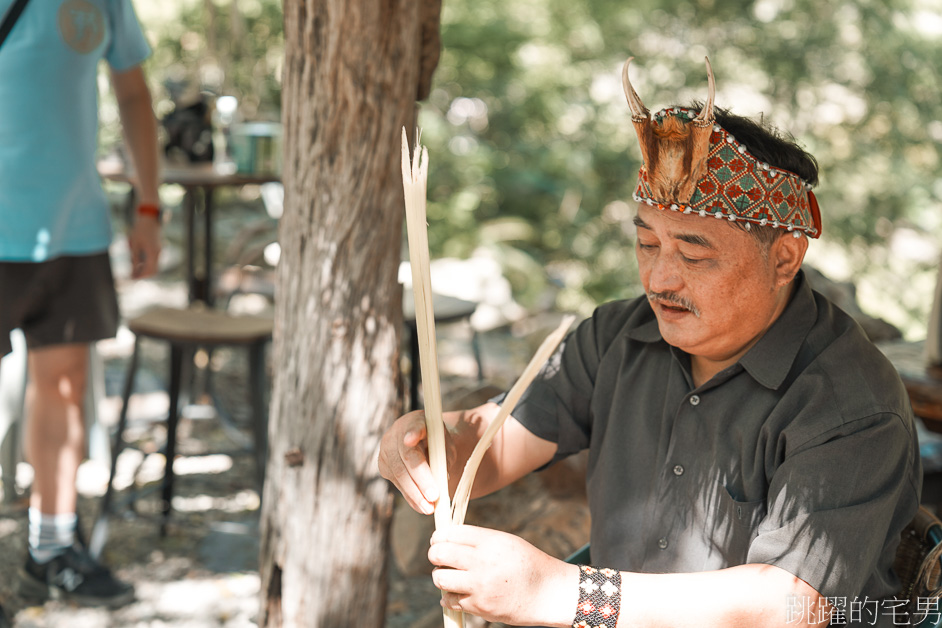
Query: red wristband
[{"x": 147, "y": 209}]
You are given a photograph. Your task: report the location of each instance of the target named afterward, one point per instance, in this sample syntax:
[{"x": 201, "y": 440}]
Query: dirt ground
[{"x": 205, "y": 572}]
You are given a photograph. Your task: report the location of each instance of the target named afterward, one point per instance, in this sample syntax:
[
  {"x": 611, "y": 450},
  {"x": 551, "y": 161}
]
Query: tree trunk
[{"x": 353, "y": 71}]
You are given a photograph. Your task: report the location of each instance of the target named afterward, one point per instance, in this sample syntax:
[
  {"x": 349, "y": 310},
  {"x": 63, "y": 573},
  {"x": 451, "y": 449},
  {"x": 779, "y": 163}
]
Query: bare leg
[
  {"x": 55, "y": 433},
  {"x": 55, "y": 447}
]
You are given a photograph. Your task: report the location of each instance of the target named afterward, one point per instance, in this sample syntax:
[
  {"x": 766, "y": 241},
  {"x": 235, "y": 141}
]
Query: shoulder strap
[{"x": 10, "y": 17}]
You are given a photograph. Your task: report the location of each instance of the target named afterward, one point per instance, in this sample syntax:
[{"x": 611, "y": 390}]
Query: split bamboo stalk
[
  {"x": 414, "y": 183},
  {"x": 459, "y": 505}
]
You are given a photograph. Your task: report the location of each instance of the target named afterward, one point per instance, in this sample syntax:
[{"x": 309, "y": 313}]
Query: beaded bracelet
[
  {"x": 599, "y": 598},
  {"x": 149, "y": 209}
]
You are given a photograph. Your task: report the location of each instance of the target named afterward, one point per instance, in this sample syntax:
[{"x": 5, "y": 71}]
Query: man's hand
[
  {"x": 403, "y": 454},
  {"x": 501, "y": 577},
  {"x": 140, "y": 136},
  {"x": 403, "y": 460},
  {"x": 144, "y": 244}
]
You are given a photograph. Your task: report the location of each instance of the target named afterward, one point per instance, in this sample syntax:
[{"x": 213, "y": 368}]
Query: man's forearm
[
  {"x": 746, "y": 595},
  {"x": 140, "y": 131},
  {"x": 513, "y": 453},
  {"x": 465, "y": 428},
  {"x": 501, "y": 577}
]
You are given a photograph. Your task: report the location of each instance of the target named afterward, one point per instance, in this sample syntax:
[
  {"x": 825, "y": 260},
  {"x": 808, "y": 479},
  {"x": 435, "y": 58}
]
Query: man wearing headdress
[{"x": 752, "y": 456}]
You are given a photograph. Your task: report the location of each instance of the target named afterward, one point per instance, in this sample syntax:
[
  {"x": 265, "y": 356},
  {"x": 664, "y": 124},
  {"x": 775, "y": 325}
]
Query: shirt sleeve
[
  {"x": 836, "y": 501},
  {"x": 558, "y": 404},
  {"x": 128, "y": 46}
]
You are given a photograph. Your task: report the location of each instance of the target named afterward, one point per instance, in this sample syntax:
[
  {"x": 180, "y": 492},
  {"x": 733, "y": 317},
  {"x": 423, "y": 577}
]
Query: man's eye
[{"x": 646, "y": 247}]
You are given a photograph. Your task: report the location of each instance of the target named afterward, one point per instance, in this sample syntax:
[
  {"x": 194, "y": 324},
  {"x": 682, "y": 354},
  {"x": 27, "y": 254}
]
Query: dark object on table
[{"x": 189, "y": 133}]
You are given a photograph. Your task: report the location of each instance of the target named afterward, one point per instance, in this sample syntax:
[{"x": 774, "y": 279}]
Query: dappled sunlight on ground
[
  {"x": 240, "y": 502},
  {"x": 195, "y": 602},
  {"x": 204, "y": 573}
]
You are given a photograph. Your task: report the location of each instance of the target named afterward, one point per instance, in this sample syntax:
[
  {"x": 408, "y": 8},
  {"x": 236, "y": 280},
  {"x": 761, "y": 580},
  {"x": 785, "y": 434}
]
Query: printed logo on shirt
[{"x": 82, "y": 25}]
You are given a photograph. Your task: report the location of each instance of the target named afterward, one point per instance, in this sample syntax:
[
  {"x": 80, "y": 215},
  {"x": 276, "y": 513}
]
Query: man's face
[{"x": 712, "y": 289}]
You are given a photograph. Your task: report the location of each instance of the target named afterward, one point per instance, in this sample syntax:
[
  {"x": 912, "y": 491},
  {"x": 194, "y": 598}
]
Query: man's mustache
[{"x": 672, "y": 298}]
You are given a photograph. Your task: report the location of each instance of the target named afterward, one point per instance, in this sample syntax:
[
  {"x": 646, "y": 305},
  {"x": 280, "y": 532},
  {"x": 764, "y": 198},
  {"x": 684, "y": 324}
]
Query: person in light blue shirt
[{"x": 55, "y": 276}]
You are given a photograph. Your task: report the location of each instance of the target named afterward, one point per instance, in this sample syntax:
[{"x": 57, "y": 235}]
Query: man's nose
[{"x": 665, "y": 275}]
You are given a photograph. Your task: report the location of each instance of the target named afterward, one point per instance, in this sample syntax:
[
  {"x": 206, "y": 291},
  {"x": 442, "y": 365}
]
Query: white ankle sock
[{"x": 50, "y": 535}]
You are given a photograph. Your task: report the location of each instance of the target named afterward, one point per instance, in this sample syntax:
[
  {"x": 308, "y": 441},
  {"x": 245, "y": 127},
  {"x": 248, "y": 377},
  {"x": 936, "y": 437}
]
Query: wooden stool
[{"x": 187, "y": 330}]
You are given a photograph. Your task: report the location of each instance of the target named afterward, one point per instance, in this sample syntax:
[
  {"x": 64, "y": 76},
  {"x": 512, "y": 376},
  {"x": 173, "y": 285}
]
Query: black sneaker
[{"x": 73, "y": 576}]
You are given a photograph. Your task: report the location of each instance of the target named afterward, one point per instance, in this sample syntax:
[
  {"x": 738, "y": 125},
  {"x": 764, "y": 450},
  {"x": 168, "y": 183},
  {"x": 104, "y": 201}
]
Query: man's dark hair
[{"x": 771, "y": 146}]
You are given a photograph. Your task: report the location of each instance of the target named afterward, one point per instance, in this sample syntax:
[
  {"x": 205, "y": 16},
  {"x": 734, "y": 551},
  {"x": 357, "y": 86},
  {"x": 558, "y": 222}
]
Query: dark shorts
[{"x": 65, "y": 300}]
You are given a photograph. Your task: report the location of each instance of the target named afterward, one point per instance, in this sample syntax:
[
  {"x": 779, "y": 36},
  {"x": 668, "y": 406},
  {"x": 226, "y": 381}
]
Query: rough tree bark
[{"x": 353, "y": 71}]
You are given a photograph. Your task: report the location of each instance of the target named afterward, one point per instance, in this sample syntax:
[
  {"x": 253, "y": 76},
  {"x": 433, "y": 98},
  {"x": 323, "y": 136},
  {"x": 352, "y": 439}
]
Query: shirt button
[
  {"x": 678, "y": 469},
  {"x": 694, "y": 400},
  {"x": 662, "y": 543}
]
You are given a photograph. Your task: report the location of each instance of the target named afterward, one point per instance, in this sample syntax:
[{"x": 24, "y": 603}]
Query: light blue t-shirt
[{"x": 51, "y": 201}]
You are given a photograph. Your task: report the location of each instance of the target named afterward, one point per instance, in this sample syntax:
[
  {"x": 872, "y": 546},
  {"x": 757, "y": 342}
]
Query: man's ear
[{"x": 787, "y": 253}]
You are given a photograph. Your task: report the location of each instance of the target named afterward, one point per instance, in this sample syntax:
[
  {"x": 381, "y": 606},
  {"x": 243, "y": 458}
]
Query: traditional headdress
[{"x": 692, "y": 164}]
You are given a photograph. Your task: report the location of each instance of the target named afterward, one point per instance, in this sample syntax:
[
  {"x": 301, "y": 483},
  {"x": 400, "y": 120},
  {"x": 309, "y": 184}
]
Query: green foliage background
[{"x": 532, "y": 153}]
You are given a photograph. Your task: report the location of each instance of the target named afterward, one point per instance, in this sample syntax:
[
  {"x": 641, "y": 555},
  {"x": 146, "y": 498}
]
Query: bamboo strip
[
  {"x": 546, "y": 349},
  {"x": 414, "y": 183}
]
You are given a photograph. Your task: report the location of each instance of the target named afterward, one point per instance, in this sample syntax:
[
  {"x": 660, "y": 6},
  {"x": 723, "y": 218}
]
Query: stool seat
[
  {"x": 200, "y": 325},
  {"x": 185, "y": 330}
]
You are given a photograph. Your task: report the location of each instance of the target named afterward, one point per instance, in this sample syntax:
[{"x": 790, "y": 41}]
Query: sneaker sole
[{"x": 35, "y": 590}]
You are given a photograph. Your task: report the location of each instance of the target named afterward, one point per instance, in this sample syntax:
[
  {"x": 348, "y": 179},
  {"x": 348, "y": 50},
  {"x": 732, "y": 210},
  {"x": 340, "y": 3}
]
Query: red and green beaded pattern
[{"x": 737, "y": 186}]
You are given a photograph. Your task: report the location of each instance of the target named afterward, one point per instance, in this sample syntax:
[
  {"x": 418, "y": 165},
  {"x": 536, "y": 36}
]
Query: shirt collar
[
  {"x": 771, "y": 358},
  {"x": 647, "y": 331}
]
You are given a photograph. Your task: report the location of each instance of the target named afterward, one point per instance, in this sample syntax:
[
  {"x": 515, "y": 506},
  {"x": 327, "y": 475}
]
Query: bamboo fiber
[
  {"x": 414, "y": 183},
  {"x": 463, "y": 492}
]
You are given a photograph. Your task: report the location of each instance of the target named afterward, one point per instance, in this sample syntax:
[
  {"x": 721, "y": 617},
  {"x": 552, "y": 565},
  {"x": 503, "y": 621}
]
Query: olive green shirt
[{"x": 802, "y": 455}]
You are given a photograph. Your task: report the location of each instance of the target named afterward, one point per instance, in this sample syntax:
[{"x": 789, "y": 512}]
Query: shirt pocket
[{"x": 736, "y": 526}]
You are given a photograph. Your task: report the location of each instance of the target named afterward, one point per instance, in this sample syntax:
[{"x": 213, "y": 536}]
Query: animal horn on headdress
[
  {"x": 640, "y": 118},
  {"x": 702, "y": 129},
  {"x": 706, "y": 114},
  {"x": 638, "y": 110},
  {"x": 674, "y": 150}
]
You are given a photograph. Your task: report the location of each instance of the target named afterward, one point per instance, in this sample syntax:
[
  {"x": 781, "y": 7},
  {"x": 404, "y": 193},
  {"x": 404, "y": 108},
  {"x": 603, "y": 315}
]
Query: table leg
[
  {"x": 173, "y": 419},
  {"x": 208, "y": 246},
  {"x": 189, "y": 210}
]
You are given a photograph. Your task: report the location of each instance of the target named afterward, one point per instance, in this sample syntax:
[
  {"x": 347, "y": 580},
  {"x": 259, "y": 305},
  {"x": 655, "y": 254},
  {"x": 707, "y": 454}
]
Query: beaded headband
[{"x": 692, "y": 164}]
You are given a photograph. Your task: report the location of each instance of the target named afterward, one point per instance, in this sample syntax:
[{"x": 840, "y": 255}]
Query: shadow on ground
[{"x": 204, "y": 573}]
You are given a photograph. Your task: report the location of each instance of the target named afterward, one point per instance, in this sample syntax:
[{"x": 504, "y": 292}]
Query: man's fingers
[
  {"x": 412, "y": 450},
  {"x": 143, "y": 260},
  {"x": 403, "y": 461},
  {"x": 150, "y": 265},
  {"x": 452, "y": 581},
  {"x": 142, "y": 266},
  {"x": 416, "y": 466},
  {"x": 393, "y": 468},
  {"x": 452, "y": 556},
  {"x": 150, "y": 262},
  {"x": 137, "y": 269},
  {"x": 461, "y": 535},
  {"x": 414, "y": 436},
  {"x": 453, "y": 601},
  {"x": 144, "y": 246}
]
